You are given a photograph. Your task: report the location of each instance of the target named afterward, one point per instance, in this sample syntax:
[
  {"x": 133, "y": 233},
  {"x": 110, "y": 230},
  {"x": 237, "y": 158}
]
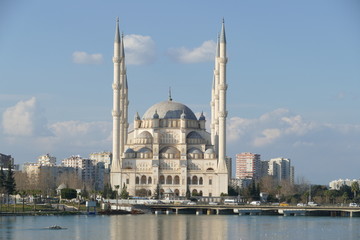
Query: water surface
[{"x": 151, "y": 227}]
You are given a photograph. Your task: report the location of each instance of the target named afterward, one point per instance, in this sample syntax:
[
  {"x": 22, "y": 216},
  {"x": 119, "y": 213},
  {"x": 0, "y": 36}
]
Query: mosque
[{"x": 169, "y": 150}]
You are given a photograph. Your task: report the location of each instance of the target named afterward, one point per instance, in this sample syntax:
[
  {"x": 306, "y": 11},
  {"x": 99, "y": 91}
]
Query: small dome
[
  {"x": 209, "y": 151},
  {"x": 194, "y": 135},
  {"x": 194, "y": 150},
  {"x": 156, "y": 115},
  {"x": 144, "y": 134},
  {"x": 61, "y": 186},
  {"x": 171, "y": 150},
  {"x": 169, "y": 110},
  {"x": 129, "y": 150},
  {"x": 202, "y": 117},
  {"x": 144, "y": 150}
]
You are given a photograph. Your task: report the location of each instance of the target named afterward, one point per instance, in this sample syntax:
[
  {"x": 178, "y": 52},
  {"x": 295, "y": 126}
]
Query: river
[{"x": 152, "y": 227}]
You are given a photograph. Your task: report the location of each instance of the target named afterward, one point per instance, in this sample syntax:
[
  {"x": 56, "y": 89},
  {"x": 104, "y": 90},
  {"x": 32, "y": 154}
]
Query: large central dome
[{"x": 169, "y": 109}]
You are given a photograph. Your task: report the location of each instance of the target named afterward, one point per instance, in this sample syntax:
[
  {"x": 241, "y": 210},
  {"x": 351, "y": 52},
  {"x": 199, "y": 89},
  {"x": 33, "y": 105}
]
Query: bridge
[{"x": 253, "y": 210}]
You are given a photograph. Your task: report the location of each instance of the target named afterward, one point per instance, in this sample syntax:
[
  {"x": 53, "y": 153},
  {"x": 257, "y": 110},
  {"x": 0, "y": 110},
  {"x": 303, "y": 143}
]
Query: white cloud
[
  {"x": 319, "y": 151},
  {"x": 81, "y": 134},
  {"x": 204, "y": 53},
  {"x": 268, "y": 128},
  {"x": 86, "y": 58},
  {"x": 268, "y": 136},
  {"x": 25, "y": 119},
  {"x": 139, "y": 49}
]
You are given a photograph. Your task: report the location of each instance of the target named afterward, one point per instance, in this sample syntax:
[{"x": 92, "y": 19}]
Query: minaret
[
  {"x": 126, "y": 107},
  {"x": 222, "y": 113},
  {"x": 116, "y": 112},
  {"x": 212, "y": 105},
  {"x": 123, "y": 98},
  {"x": 215, "y": 97}
]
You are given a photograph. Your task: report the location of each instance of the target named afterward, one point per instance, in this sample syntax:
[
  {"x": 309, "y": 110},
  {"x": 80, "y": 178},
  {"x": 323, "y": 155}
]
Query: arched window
[
  {"x": 169, "y": 180},
  {"x": 200, "y": 181},
  {"x": 162, "y": 179},
  {"x": 137, "y": 180},
  {"x": 194, "y": 192},
  {"x": 177, "y": 192},
  {"x": 194, "y": 180},
  {"x": 149, "y": 180},
  {"x": 200, "y": 193},
  {"x": 143, "y": 179},
  {"x": 149, "y": 193},
  {"x": 176, "y": 179}
]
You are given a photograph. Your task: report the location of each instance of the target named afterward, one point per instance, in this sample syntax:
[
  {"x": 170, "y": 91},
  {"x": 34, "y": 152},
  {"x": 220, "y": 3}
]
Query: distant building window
[
  {"x": 210, "y": 181},
  {"x": 127, "y": 181},
  {"x": 162, "y": 179}
]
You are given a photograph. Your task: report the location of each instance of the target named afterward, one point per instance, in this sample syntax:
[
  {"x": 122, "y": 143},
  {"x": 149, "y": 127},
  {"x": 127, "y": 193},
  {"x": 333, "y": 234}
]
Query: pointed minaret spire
[
  {"x": 218, "y": 46},
  {"x": 222, "y": 34},
  {"x": 137, "y": 116},
  {"x": 122, "y": 52},
  {"x": 117, "y": 32}
]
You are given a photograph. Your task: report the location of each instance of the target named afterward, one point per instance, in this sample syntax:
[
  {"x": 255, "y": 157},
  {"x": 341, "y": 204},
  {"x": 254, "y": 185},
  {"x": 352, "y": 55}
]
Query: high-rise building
[
  {"x": 169, "y": 148},
  {"x": 5, "y": 160},
  {"x": 280, "y": 169},
  {"x": 89, "y": 171},
  {"x": 104, "y": 157},
  {"x": 46, "y": 160},
  {"x": 337, "y": 184},
  {"x": 248, "y": 165},
  {"x": 228, "y": 161}
]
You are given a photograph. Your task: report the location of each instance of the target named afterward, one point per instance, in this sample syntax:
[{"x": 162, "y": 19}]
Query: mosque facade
[{"x": 169, "y": 150}]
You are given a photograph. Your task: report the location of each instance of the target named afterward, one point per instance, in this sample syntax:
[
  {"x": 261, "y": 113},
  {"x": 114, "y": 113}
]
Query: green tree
[
  {"x": 157, "y": 192},
  {"x": 188, "y": 194},
  {"x": 85, "y": 193},
  {"x": 23, "y": 194},
  {"x": 233, "y": 191},
  {"x": 2, "y": 185},
  {"x": 124, "y": 193},
  {"x": 117, "y": 195},
  {"x": 107, "y": 192},
  {"x": 355, "y": 188},
  {"x": 10, "y": 184},
  {"x": 68, "y": 193},
  {"x": 2, "y": 178},
  {"x": 345, "y": 197}
]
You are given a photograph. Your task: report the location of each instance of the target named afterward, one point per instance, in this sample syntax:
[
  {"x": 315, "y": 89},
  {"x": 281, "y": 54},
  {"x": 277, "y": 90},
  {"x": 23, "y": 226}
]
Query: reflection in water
[
  {"x": 155, "y": 227},
  {"x": 7, "y": 225},
  {"x": 180, "y": 226}
]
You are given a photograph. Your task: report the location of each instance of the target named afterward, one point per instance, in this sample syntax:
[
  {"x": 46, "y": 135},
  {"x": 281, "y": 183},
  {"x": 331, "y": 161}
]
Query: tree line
[{"x": 302, "y": 192}]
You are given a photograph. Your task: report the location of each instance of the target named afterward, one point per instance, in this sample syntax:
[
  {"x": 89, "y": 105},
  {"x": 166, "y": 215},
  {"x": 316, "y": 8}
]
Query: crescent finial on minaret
[{"x": 170, "y": 99}]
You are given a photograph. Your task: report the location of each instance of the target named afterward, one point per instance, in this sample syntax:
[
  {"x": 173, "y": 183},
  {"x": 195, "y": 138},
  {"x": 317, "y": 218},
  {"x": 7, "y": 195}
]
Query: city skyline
[{"x": 293, "y": 76}]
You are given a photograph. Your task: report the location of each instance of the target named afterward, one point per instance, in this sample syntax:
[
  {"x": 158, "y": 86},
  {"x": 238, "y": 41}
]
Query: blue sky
[{"x": 293, "y": 75}]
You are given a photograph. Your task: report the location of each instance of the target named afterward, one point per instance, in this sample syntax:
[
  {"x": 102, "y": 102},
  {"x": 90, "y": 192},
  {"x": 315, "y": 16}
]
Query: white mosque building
[{"x": 169, "y": 149}]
